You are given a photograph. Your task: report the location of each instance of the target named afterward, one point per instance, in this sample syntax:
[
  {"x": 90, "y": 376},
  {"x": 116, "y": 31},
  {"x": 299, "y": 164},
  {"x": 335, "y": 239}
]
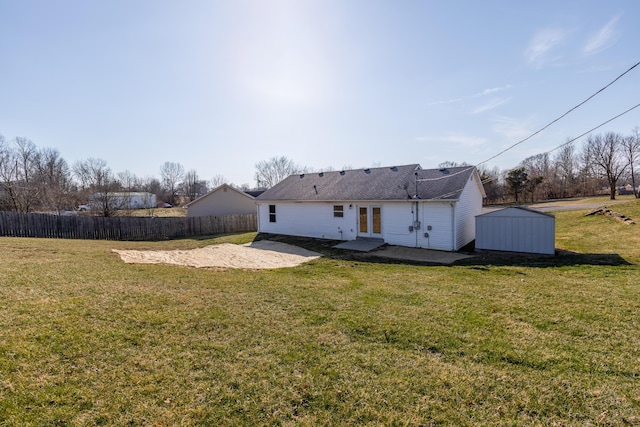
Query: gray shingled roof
[
  {"x": 387, "y": 183},
  {"x": 443, "y": 184}
]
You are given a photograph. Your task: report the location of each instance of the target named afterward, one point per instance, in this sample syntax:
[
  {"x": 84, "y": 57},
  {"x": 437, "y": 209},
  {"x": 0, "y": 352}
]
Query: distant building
[
  {"x": 223, "y": 200},
  {"x": 125, "y": 200}
]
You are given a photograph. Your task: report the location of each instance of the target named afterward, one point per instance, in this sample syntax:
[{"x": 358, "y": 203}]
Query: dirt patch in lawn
[{"x": 256, "y": 255}]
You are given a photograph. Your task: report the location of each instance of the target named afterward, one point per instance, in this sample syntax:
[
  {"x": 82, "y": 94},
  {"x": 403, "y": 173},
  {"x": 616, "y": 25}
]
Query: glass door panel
[
  {"x": 377, "y": 220},
  {"x": 364, "y": 220}
]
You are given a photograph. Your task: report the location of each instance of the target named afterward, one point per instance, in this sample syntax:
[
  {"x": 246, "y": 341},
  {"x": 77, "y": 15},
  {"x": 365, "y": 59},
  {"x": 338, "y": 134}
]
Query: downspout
[
  {"x": 453, "y": 226},
  {"x": 416, "y": 229},
  {"x": 258, "y": 216}
]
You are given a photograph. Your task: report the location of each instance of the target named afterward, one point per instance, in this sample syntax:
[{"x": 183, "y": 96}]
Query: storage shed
[
  {"x": 516, "y": 229},
  {"x": 223, "y": 200}
]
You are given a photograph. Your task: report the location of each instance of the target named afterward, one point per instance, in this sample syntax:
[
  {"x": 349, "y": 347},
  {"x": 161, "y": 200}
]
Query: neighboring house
[
  {"x": 223, "y": 200},
  {"x": 516, "y": 229},
  {"x": 403, "y": 205}
]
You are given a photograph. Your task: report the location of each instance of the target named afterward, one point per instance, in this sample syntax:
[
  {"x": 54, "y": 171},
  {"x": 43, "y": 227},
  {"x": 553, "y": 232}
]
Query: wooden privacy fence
[{"x": 19, "y": 224}]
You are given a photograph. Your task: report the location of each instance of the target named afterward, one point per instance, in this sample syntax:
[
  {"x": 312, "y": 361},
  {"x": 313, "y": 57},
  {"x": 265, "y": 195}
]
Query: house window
[
  {"x": 338, "y": 211},
  {"x": 272, "y": 213}
]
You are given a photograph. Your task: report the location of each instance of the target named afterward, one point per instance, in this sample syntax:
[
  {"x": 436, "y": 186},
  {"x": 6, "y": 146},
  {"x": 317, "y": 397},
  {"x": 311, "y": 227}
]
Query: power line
[
  {"x": 592, "y": 129},
  {"x": 545, "y": 127},
  {"x": 562, "y": 116},
  {"x": 576, "y": 138},
  {"x": 444, "y": 176},
  {"x": 492, "y": 178}
]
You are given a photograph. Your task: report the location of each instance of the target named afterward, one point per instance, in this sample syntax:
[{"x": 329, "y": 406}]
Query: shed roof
[
  {"x": 380, "y": 184},
  {"x": 516, "y": 211},
  {"x": 215, "y": 190}
]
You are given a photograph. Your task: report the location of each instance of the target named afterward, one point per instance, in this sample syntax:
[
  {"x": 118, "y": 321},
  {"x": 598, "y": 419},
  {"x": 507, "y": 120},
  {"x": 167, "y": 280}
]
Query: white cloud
[
  {"x": 494, "y": 103},
  {"x": 543, "y": 45},
  {"x": 604, "y": 38},
  {"x": 482, "y": 93},
  {"x": 511, "y": 128},
  {"x": 454, "y": 138}
]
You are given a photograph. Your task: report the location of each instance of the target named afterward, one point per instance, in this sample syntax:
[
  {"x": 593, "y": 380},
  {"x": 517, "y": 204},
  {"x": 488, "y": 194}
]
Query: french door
[{"x": 370, "y": 221}]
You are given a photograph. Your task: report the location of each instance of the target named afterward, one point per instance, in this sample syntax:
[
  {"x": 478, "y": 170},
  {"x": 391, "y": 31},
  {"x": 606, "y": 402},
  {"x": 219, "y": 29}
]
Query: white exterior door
[{"x": 370, "y": 221}]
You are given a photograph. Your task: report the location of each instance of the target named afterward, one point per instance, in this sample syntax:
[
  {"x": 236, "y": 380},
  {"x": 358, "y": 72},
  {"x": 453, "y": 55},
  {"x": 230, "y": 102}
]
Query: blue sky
[{"x": 220, "y": 85}]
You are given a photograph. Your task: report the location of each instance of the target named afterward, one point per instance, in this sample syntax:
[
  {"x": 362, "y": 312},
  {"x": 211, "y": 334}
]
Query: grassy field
[
  {"x": 159, "y": 212},
  {"x": 88, "y": 340}
]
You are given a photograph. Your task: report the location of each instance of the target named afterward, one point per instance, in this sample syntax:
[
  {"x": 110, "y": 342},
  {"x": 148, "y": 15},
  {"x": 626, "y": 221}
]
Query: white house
[
  {"x": 403, "y": 205},
  {"x": 221, "y": 201},
  {"x": 516, "y": 229}
]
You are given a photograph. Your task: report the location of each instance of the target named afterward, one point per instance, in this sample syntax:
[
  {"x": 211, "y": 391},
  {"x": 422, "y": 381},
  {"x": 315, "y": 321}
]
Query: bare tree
[
  {"x": 151, "y": 185},
  {"x": 97, "y": 181},
  {"x": 127, "y": 181},
  {"x": 26, "y": 159},
  {"x": 492, "y": 183},
  {"x": 538, "y": 169},
  {"x": 451, "y": 164},
  {"x": 607, "y": 158},
  {"x": 18, "y": 163},
  {"x": 7, "y": 175},
  {"x": 587, "y": 171},
  {"x": 631, "y": 148},
  {"x": 172, "y": 173},
  {"x": 54, "y": 178},
  {"x": 31, "y": 178},
  {"x": 565, "y": 165},
  {"x": 218, "y": 180},
  {"x": 190, "y": 184},
  {"x": 274, "y": 170}
]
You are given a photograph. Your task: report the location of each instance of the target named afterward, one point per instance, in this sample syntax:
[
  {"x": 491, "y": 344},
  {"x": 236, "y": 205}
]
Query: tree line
[
  {"x": 603, "y": 164},
  {"x": 34, "y": 179}
]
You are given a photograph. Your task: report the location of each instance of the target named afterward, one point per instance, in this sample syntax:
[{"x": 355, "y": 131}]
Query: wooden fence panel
[{"x": 19, "y": 224}]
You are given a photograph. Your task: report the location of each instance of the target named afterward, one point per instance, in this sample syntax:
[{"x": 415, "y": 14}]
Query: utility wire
[
  {"x": 576, "y": 138},
  {"x": 591, "y": 130},
  {"x": 562, "y": 116},
  {"x": 545, "y": 127}
]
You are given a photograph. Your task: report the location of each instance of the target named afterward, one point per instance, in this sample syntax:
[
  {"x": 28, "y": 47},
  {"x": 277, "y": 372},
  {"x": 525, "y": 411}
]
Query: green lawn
[{"x": 88, "y": 340}]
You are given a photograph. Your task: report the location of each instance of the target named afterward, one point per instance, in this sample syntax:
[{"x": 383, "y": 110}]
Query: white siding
[
  {"x": 310, "y": 220},
  {"x": 317, "y": 220},
  {"x": 466, "y": 209},
  {"x": 436, "y": 222},
  {"x": 396, "y": 219},
  {"x": 516, "y": 230},
  {"x": 448, "y": 225}
]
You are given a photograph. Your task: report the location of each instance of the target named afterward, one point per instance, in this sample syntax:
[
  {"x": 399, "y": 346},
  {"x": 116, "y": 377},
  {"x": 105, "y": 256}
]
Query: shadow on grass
[
  {"x": 482, "y": 259},
  {"x": 560, "y": 259}
]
